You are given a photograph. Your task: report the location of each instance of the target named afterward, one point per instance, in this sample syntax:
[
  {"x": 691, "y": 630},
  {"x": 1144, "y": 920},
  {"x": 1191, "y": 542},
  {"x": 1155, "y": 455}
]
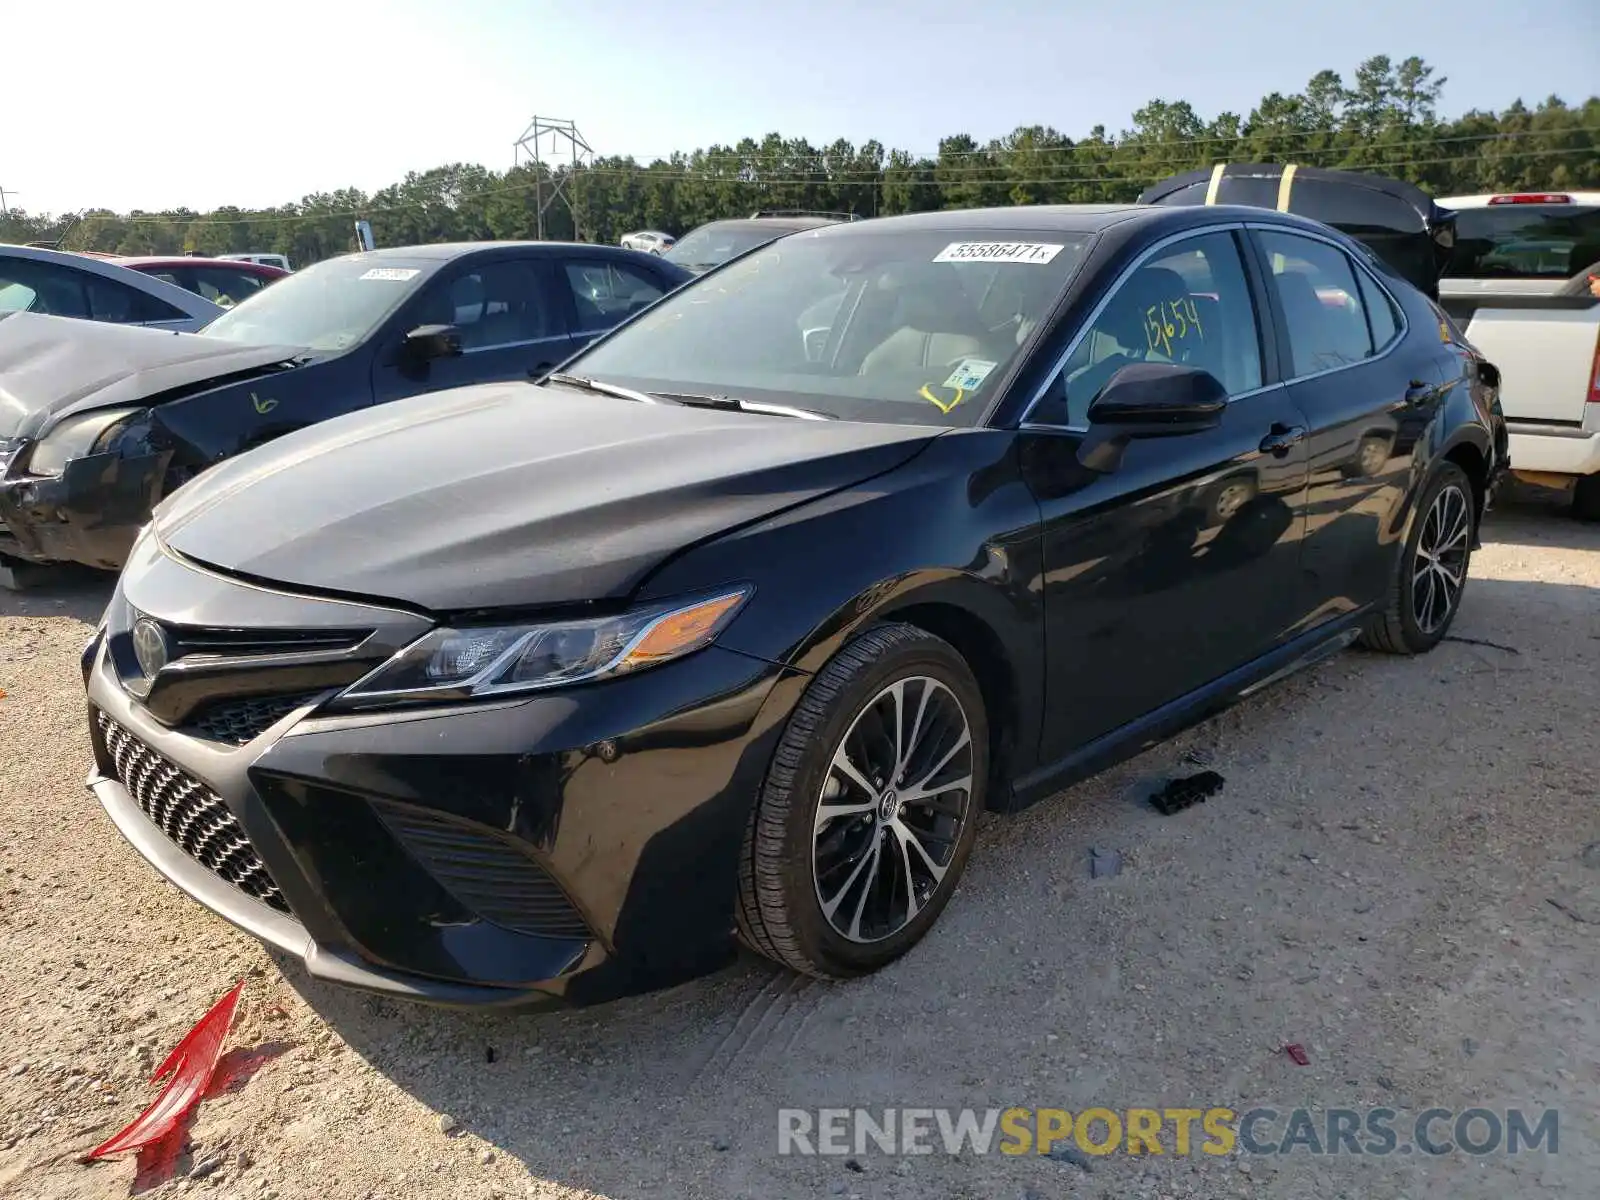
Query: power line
[{"x": 864, "y": 179}]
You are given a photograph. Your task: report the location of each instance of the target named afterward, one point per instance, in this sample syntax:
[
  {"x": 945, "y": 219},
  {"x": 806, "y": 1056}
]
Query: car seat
[{"x": 936, "y": 325}]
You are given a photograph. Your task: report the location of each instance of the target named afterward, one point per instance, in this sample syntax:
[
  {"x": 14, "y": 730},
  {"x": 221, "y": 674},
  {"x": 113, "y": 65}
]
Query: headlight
[
  {"x": 458, "y": 664},
  {"x": 76, "y": 437}
]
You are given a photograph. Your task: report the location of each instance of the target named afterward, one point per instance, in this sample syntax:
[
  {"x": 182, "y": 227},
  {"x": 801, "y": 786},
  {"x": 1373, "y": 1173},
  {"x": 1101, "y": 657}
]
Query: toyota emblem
[{"x": 149, "y": 646}]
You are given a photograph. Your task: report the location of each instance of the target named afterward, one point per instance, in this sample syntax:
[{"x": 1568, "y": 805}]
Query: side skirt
[{"x": 1156, "y": 726}]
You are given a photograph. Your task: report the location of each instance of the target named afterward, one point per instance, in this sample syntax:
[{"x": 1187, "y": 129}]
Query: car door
[
  {"x": 601, "y": 292},
  {"x": 1177, "y": 564},
  {"x": 509, "y": 326},
  {"x": 1366, "y": 392}
]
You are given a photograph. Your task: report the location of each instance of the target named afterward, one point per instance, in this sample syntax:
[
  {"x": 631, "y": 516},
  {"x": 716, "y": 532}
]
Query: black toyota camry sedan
[{"x": 729, "y": 630}]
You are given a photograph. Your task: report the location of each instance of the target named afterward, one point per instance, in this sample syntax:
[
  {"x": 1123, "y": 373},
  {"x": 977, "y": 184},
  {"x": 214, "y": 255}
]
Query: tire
[
  {"x": 783, "y": 875},
  {"x": 1586, "y": 498},
  {"x": 1399, "y": 629}
]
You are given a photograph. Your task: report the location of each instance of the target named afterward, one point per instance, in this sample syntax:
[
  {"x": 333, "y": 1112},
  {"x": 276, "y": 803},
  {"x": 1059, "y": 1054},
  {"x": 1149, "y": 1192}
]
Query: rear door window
[
  {"x": 1321, "y": 302},
  {"x": 122, "y": 305}
]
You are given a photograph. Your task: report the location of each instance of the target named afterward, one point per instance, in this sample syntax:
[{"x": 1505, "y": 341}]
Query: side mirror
[
  {"x": 1159, "y": 399},
  {"x": 433, "y": 341},
  {"x": 1147, "y": 400}
]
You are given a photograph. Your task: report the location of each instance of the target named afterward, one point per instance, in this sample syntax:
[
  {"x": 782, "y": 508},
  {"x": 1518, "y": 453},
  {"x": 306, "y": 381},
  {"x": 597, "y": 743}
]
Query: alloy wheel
[
  {"x": 1439, "y": 571},
  {"x": 892, "y": 808}
]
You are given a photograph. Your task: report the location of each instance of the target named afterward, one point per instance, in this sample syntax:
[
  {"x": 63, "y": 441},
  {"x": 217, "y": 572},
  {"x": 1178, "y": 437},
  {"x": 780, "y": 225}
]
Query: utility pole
[{"x": 567, "y": 148}]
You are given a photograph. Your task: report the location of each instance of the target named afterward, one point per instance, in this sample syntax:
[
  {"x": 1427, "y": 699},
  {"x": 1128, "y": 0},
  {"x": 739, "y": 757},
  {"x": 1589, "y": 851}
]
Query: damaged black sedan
[
  {"x": 98, "y": 422},
  {"x": 732, "y": 628}
]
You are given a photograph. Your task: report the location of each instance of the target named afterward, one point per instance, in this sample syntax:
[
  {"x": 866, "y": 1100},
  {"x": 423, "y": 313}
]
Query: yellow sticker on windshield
[
  {"x": 943, "y": 406},
  {"x": 1171, "y": 321}
]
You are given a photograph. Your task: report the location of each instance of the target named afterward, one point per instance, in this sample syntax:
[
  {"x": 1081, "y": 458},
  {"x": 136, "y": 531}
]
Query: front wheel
[
  {"x": 1425, "y": 594},
  {"x": 869, "y": 808}
]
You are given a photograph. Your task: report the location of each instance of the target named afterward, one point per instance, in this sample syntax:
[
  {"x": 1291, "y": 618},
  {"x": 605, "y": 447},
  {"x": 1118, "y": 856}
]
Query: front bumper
[
  {"x": 90, "y": 514},
  {"x": 576, "y": 846}
]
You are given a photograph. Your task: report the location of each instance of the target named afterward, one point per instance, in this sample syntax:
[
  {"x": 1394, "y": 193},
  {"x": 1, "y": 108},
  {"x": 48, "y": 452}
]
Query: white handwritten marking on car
[
  {"x": 1018, "y": 252},
  {"x": 394, "y": 274}
]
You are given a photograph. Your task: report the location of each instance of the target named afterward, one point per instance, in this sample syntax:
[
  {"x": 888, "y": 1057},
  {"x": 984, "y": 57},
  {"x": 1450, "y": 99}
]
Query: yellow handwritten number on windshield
[{"x": 1170, "y": 321}]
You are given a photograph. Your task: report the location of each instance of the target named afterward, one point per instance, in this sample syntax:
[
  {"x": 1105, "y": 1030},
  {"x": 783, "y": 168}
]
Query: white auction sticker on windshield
[
  {"x": 1015, "y": 252},
  {"x": 970, "y": 374},
  {"x": 395, "y": 274}
]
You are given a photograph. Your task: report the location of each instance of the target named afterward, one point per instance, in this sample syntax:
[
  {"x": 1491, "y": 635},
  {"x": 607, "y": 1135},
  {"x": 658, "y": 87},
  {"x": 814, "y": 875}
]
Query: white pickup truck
[{"x": 1520, "y": 283}]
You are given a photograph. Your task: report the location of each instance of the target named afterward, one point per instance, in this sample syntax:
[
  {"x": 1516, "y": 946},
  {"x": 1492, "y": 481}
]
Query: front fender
[{"x": 950, "y": 541}]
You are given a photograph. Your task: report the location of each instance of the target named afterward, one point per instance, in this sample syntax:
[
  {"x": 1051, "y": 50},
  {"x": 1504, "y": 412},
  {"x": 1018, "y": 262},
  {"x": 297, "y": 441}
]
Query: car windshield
[
  {"x": 882, "y": 325},
  {"x": 1525, "y": 241},
  {"x": 330, "y": 306},
  {"x": 712, "y": 245}
]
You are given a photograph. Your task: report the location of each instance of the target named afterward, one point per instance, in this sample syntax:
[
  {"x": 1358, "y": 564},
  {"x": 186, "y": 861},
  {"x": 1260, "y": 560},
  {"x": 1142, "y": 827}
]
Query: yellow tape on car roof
[
  {"x": 1285, "y": 186},
  {"x": 1216, "y": 182}
]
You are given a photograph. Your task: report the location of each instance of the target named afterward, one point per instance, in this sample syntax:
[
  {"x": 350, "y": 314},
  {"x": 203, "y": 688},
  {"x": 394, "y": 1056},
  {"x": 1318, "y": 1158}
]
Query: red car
[{"x": 223, "y": 281}]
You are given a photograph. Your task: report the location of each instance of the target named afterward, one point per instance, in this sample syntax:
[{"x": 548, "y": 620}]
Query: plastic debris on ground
[
  {"x": 1103, "y": 864},
  {"x": 1180, "y": 794},
  {"x": 158, "y": 1132},
  {"x": 1298, "y": 1053}
]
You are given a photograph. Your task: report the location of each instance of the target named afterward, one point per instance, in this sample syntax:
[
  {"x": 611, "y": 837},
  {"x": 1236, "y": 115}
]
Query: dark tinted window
[
  {"x": 498, "y": 304},
  {"x": 606, "y": 293},
  {"x": 1525, "y": 241},
  {"x": 1189, "y": 304},
  {"x": 1321, "y": 302},
  {"x": 31, "y": 286},
  {"x": 123, "y": 305}
]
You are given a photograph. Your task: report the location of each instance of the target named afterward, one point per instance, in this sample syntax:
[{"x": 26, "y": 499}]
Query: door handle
[{"x": 1282, "y": 439}]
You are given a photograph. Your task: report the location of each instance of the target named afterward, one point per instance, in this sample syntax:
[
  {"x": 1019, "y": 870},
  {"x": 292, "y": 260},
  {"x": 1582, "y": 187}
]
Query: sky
[{"x": 163, "y": 103}]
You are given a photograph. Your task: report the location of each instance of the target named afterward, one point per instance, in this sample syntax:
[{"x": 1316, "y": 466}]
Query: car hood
[
  {"x": 510, "y": 495},
  {"x": 53, "y": 367}
]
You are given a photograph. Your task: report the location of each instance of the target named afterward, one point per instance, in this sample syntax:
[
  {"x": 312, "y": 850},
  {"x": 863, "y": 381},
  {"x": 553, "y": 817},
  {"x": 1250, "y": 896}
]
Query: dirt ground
[{"x": 1402, "y": 875}]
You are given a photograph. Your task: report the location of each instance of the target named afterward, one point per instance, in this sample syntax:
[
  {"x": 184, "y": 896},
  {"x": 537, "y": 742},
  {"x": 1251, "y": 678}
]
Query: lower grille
[
  {"x": 236, "y": 722},
  {"x": 189, "y": 813},
  {"x": 483, "y": 872}
]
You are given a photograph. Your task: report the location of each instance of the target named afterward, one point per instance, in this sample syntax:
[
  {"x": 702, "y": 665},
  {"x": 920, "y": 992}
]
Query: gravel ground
[{"x": 1395, "y": 876}]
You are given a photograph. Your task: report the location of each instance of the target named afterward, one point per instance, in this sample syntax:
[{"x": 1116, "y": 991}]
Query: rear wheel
[
  {"x": 1425, "y": 594},
  {"x": 869, "y": 809}
]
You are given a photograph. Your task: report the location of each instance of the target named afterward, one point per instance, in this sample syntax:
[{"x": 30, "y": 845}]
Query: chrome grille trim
[{"x": 192, "y": 816}]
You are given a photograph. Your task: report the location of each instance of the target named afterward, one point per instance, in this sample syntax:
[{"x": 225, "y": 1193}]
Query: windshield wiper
[
  {"x": 734, "y": 404},
  {"x": 594, "y": 385}
]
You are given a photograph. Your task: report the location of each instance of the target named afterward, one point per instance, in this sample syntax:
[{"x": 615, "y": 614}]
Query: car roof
[
  {"x": 445, "y": 251},
  {"x": 788, "y": 224},
  {"x": 1042, "y": 218}
]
